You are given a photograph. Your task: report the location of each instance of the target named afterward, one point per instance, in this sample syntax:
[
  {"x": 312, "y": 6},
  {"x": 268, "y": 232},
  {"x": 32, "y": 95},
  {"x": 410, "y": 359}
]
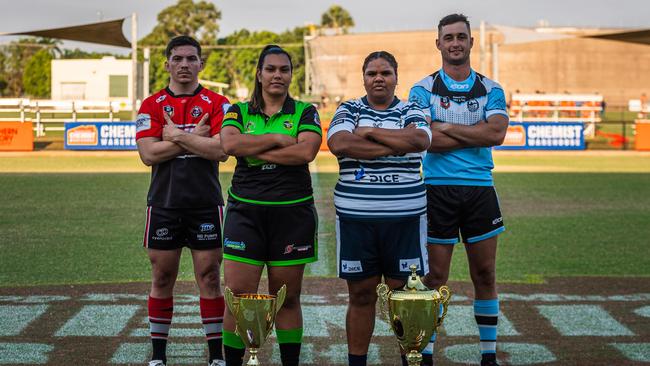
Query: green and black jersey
[{"x": 259, "y": 182}]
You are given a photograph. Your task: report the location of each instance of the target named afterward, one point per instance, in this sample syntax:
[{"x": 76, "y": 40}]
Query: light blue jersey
[{"x": 466, "y": 103}]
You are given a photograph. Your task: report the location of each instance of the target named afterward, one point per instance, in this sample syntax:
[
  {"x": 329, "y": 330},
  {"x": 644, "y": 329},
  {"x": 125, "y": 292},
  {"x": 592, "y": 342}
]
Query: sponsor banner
[
  {"x": 16, "y": 136},
  {"x": 100, "y": 136},
  {"x": 544, "y": 136}
]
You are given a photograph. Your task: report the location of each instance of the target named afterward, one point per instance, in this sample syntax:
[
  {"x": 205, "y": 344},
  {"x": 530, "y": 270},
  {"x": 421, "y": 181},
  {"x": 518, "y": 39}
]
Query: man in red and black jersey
[{"x": 178, "y": 136}]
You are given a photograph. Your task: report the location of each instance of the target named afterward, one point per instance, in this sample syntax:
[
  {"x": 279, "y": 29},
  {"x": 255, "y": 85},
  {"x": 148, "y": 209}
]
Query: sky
[{"x": 369, "y": 15}]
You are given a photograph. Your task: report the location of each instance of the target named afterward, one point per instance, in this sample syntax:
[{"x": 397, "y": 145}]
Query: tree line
[{"x": 25, "y": 63}]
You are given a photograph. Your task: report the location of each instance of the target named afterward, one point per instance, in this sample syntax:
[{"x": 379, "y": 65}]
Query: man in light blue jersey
[
  {"x": 380, "y": 197},
  {"x": 468, "y": 116}
]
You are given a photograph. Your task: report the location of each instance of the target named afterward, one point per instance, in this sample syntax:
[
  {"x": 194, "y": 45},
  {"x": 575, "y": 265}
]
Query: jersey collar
[
  {"x": 364, "y": 100},
  {"x": 458, "y": 86},
  {"x": 195, "y": 92},
  {"x": 288, "y": 107}
]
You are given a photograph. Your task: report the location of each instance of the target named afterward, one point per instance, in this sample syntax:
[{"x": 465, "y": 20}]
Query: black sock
[
  {"x": 159, "y": 349},
  {"x": 489, "y": 357},
  {"x": 404, "y": 361},
  {"x": 290, "y": 354},
  {"x": 214, "y": 349},
  {"x": 234, "y": 356},
  {"x": 427, "y": 360},
  {"x": 356, "y": 360}
]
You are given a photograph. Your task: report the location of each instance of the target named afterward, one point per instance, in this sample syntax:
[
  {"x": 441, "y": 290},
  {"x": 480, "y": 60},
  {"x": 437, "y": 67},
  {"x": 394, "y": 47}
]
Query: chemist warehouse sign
[
  {"x": 100, "y": 136},
  {"x": 544, "y": 136}
]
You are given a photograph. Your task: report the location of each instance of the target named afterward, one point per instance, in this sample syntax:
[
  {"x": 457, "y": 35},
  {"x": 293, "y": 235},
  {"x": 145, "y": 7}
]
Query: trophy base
[
  {"x": 414, "y": 358},
  {"x": 253, "y": 361}
]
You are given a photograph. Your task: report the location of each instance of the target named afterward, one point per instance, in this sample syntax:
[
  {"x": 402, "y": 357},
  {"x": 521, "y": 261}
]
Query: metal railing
[{"x": 42, "y": 112}]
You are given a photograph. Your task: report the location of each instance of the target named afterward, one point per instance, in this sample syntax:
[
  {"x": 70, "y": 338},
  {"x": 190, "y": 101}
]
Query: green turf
[{"x": 87, "y": 228}]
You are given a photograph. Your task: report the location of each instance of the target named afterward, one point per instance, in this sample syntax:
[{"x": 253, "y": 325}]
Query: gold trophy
[
  {"x": 254, "y": 317},
  {"x": 413, "y": 313}
]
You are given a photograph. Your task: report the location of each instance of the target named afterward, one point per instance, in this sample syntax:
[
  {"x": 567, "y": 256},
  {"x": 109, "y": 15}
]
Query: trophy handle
[
  {"x": 384, "y": 293},
  {"x": 282, "y": 294},
  {"x": 230, "y": 300},
  {"x": 445, "y": 295}
]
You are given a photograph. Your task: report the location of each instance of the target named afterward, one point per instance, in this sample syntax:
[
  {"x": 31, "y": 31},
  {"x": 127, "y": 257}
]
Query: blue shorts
[{"x": 383, "y": 246}]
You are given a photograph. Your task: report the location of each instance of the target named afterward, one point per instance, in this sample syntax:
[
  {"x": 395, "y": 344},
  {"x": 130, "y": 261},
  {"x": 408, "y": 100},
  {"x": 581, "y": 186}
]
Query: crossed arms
[
  {"x": 447, "y": 136},
  {"x": 175, "y": 141},
  {"x": 373, "y": 142},
  {"x": 272, "y": 147}
]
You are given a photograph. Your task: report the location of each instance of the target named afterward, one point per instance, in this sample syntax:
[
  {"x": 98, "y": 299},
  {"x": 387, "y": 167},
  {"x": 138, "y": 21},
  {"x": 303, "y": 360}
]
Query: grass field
[{"x": 73, "y": 219}]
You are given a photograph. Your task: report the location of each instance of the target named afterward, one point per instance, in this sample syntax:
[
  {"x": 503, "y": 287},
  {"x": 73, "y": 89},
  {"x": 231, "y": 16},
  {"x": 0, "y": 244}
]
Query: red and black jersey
[{"x": 188, "y": 180}]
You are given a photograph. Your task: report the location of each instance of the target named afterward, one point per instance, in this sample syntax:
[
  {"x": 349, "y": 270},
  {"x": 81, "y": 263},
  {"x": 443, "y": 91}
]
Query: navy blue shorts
[
  {"x": 386, "y": 246},
  {"x": 195, "y": 228},
  {"x": 471, "y": 211}
]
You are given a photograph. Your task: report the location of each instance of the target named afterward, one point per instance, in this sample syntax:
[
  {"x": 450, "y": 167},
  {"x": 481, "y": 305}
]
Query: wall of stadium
[{"x": 619, "y": 71}]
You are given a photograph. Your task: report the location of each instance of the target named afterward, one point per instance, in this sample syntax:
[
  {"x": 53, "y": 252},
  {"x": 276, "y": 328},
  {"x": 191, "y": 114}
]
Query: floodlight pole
[{"x": 134, "y": 65}]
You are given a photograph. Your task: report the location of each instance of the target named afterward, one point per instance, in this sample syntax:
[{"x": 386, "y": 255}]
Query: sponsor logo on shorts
[
  {"x": 296, "y": 248},
  {"x": 351, "y": 267},
  {"x": 404, "y": 264},
  {"x": 142, "y": 122},
  {"x": 196, "y": 111},
  {"x": 497, "y": 220},
  {"x": 206, "y": 228},
  {"x": 162, "y": 234},
  {"x": 236, "y": 245}
]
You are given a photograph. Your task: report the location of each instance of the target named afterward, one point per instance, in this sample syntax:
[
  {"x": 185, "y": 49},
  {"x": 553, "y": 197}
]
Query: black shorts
[
  {"x": 271, "y": 235},
  {"x": 388, "y": 247},
  {"x": 195, "y": 228},
  {"x": 472, "y": 211}
]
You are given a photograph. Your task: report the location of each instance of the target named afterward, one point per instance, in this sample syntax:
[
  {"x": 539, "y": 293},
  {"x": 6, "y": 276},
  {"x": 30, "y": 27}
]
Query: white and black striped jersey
[{"x": 389, "y": 186}]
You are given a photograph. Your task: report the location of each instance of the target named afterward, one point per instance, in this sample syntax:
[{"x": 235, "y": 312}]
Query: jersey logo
[
  {"x": 377, "y": 124},
  {"x": 472, "y": 105},
  {"x": 196, "y": 111},
  {"x": 230, "y": 115},
  {"x": 316, "y": 119},
  {"x": 225, "y": 107},
  {"x": 249, "y": 126},
  {"x": 444, "y": 102},
  {"x": 204, "y": 97},
  {"x": 169, "y": 110},
  {"x": 161, "y": 98},
  {"x": 142, "y": 122},
  {"x": 359, "y": 174},
  {"x": 287, "y": 124}
]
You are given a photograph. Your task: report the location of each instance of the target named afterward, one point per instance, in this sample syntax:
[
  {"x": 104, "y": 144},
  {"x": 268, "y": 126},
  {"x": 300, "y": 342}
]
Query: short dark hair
[
  {"x": 257, "y": 100},
  {"x": 182, "y": 41},
  {"x": 377, "y": 55},
  {"x": 454, "y": 18}
]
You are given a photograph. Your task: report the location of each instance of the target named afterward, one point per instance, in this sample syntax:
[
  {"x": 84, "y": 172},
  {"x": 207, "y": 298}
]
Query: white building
[{"x": 92, "y": 79}]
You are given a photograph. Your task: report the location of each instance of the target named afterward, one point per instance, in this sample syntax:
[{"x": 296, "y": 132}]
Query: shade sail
[
  {"x": 636, "y": 36},
  {"x": 108, "y": 33}
]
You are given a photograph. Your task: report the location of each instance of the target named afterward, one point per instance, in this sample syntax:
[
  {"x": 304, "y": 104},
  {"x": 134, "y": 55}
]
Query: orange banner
[{"x": 16, "y": 136}]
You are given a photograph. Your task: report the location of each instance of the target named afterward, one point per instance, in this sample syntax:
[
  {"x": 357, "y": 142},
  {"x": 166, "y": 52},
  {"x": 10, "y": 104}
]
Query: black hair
[
  {"x": 257, "y": 100},
  {"x": 182, "y": 41},
  {"x": 377, "y": 55},
  {"x": 454, "y": 18}
]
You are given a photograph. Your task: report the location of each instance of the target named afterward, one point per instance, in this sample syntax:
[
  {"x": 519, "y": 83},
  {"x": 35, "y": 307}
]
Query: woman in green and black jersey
[{"x": 270, "y": 217}]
